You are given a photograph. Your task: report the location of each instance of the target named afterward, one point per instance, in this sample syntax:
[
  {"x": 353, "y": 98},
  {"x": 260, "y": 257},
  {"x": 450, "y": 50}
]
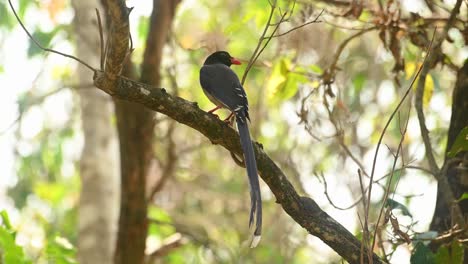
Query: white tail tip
[{"x": 255, "y": 241}]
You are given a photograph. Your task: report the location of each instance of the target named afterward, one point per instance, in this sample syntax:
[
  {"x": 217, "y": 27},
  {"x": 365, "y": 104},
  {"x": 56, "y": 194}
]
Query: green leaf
[
  {"x": 396, "y": 205},
  {"x": 359, "y": 81},
  {"x": 283, "y": 82},
  {"x": 60, "y": 251},
  {"x": 53, "y": 192},
  {"x": 428, "y": 90},
  {"x": 422, "y": 255},
  {"x": 464, "y": 196},
  {"x": 23, "y": 7},
  {"x": 458, "y": 251},
  {"x": 316, "y": 69},
  {"x": 452, "y": 253},
  {"x": 142, "y": 28},
  {"x": 259, "y": 11},
  {"x": 5, "y": 19},
  {"x": 162, "y": 226},
  {"x": 11, "y": 253},
  {"x": 5, "y": 219},
  {"x": 276, "y": 80},
  {"x": 460, "y": 144},
  {"x": 365, "y": 16},
  {"x": 44, "y": 38}
]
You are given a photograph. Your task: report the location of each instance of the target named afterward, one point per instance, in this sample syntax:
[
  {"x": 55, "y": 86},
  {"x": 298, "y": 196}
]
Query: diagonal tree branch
[{"x": 302, "y": 209}]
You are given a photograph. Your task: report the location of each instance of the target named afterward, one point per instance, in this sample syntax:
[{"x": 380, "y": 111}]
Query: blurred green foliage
[{"x": 10, "y": 253}]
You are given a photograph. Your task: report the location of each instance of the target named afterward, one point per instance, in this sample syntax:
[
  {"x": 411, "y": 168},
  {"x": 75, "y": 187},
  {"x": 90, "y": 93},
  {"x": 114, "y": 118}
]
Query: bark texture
[
  {"x": 136, "y": 127},
  {"x": 456, "y": 172},
  {"x": 99, "y": 199}
]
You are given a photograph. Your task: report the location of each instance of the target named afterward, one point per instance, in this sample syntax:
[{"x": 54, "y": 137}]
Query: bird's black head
[{"x": 221, "y": 57}]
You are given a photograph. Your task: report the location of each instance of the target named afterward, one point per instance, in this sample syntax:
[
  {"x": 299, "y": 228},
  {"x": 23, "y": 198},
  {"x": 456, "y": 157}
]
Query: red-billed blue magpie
[{"x": 222, "y": 86}]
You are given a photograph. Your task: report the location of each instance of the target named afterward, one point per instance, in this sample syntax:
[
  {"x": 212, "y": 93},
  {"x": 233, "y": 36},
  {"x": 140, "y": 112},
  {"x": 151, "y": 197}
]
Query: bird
[{"x": 223, "y": 88}]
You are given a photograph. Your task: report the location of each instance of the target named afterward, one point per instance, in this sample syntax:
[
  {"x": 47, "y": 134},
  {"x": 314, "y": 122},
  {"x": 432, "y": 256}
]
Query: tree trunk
[
  {"x": 98, "y": 206},
  {"x": 135, "y": 125},
  {"x": 456, "y": 167}
]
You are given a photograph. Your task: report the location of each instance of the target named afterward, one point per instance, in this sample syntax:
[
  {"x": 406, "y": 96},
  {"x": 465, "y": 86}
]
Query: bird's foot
[{"x": 229, "y": 120}]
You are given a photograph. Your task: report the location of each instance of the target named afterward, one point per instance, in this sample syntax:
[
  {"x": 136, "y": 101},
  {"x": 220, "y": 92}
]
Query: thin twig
[
  {"x": 47, "y": 49},
  {"x": 387, "y": 191},
  {"x": 301, "y": 26},
  {"x": 101, "y": 39},
  {"x": 260, "y": 40},
  {"x": 171, "y": 163},
  {"x": 418, "y": 104},
  {"x": 268, "y": 39},
  {"x": 330, "y": 200},
  {"x": 340, "y": 136},
  {"x": 403, "y": 168},
  {"x": 39, "y": 99},
  {"x": 374, "y": 162},
  {"x": 365, "y": 227},
  {"x": 343, "y": 45},
  {"x": 169, "y": 244}
]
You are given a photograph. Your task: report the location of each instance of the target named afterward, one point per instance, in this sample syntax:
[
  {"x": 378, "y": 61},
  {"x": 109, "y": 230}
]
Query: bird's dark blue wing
[{"x": 221, "y": 83}]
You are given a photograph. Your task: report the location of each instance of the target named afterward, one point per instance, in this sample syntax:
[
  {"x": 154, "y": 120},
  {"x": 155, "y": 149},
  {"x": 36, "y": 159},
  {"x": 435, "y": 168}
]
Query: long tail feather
[{"x": 251, "y": 166}]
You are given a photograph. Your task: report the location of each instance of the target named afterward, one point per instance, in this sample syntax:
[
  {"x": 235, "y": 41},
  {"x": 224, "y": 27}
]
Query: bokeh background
[{"x": 318, "y": 130}]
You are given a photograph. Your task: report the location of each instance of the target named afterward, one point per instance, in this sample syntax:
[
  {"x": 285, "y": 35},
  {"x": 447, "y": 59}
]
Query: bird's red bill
[{"x": 235, "y": 61}]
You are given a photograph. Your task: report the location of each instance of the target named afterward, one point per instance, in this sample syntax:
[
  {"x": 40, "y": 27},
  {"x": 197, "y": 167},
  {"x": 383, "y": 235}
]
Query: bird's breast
[{"x": 213, "y": 99}]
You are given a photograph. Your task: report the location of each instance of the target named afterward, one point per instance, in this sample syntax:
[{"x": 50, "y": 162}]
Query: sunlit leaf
[
  {"x": 62, "y": 73},
  {"x": 314, "y": 84},
  {"x": 161, "y": 223},
  {"x": 358, "y": 82},
  {"x": 410, "y": 70},
  {"x": 460, "y": 144},
  {"x": 464, "y": 196},
  {"x": 428, "y": 90},
  {"x": 142, "y": 27},
  {"x": 5, "y": 219},
  {"x": 316, "y": 69},
  {"x": 365, "y": 16},
  {"x": 276, "y": 80},
  {"x": 259, "y": 10},
  {"x": 51, "y": 192},
  {"x": 396, "y": 205}
]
